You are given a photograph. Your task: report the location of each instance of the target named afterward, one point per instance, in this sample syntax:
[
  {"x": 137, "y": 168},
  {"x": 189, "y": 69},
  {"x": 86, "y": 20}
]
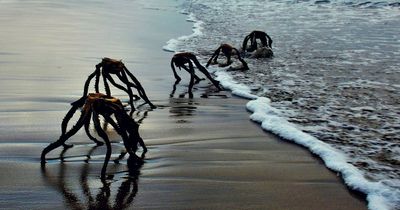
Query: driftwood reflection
[
  {"x": 182, "y": 107},
  {"x": 93, "y": 193},
  {"x": 206, "y": 92},
  {"x": 182, "y": 95}
]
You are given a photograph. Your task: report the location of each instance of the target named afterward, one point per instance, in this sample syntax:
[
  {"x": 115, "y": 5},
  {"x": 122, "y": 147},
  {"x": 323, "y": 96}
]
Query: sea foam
[
  {"x": 172, "y": 44},
  {"x": 379, "y": 195}
]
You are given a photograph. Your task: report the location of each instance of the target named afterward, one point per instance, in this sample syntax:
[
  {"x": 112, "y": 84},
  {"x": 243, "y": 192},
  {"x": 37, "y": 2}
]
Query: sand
[{"x": 204, "y": 153}]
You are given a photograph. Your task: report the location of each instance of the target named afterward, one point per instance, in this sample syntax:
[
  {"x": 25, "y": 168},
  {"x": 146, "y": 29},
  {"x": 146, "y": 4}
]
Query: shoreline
[
  {"x": 203, "y": 152},
  {"x": 262, "y": 165},
  {"x": 309, "y": 91},
  {"x": 378, "y": 194}
]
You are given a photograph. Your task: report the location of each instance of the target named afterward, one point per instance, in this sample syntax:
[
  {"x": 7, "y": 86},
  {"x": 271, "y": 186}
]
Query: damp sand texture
[{"x": 204, "y": 153}]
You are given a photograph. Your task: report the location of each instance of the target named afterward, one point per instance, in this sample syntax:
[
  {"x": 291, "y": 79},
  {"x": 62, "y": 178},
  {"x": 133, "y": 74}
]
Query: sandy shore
[{"x": 204, "y": 153}]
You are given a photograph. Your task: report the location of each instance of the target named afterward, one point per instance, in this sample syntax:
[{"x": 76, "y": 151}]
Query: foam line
[
  {"x": 173, "y": 44},
  {"x": 379, "y": 196}
]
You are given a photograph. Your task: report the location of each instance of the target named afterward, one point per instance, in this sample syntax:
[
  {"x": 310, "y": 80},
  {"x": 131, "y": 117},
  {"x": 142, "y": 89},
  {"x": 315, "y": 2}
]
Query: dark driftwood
[
  {"x": 181, "y": 59},
  {"x": 228, "y": 51},
  {"x": 94, "y": 105},
  {"x": 108, "y": 67},
  {"x": 264, "y": 38}
]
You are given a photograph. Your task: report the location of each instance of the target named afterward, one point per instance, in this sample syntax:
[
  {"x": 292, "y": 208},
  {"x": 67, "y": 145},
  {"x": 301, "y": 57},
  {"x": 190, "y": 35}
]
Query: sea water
[{"x": 332, "y": 85}]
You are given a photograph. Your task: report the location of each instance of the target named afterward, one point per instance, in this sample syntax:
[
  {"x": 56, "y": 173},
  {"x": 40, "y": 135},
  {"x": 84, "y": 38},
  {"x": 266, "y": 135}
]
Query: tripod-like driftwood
[
  {"x": 186, "y": 60},
  {"x": 94, "y": 105},
  {"x": 108, "y": 67},
  {"x": 264, "y": 38},
  {"x": 228, "y": 51}
]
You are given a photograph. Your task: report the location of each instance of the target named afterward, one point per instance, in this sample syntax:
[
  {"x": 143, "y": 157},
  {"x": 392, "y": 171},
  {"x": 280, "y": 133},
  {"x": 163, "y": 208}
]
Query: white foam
[
  {"x": 379, "y": 195},
  {"x": 238, "y": 89},
  {"x": 172, "y": 44}
]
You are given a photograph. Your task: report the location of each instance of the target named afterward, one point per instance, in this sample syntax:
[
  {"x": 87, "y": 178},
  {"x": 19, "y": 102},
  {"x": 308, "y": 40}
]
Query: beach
[{"x": 204, "y": 153}]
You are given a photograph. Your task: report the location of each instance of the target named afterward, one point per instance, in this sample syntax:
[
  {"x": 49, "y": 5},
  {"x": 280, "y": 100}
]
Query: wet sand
[{"x": 204, "y": 153}]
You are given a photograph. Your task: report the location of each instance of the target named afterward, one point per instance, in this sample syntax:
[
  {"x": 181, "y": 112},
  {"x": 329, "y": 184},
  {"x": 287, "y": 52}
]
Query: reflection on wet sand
[
  {"x": 182, "y": 95},
  {"x": 95, "y": 193},
  {"x": 186, "y": 107},
  {"x": 206, "y": 92},
  {"x": 182, "y": 107}
]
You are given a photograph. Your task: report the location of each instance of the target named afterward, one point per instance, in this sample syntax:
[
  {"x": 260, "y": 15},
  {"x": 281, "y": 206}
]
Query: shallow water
[
  {"x": 47, "y": 50},
  {"x": 334, "y": 75}
]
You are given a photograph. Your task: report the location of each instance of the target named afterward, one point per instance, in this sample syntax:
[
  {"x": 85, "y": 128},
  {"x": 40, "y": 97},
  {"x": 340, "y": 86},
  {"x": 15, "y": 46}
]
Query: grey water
[{"x": 335, "y": 70}]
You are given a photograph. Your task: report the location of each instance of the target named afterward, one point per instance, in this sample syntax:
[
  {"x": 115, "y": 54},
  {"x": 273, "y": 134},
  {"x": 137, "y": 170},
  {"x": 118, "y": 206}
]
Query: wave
[
  {"x": 379, "y": 193},
  {"x": 379, "y": 196},
  {"x": 172, "y": 44}
]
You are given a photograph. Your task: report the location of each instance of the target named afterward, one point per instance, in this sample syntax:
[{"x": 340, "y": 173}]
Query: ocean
[{"x": 332, "y": 85}]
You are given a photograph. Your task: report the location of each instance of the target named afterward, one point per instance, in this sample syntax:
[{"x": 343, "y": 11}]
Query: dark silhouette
[
  {"x": 94, "y": 105},
  {"x": 85, "y": 199},
  {"x": 228, "y": 51},
  {"x": 109, "y": 66},
  {"x": 180, "y": 60},
  {"x": 265, "y": 40}
]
